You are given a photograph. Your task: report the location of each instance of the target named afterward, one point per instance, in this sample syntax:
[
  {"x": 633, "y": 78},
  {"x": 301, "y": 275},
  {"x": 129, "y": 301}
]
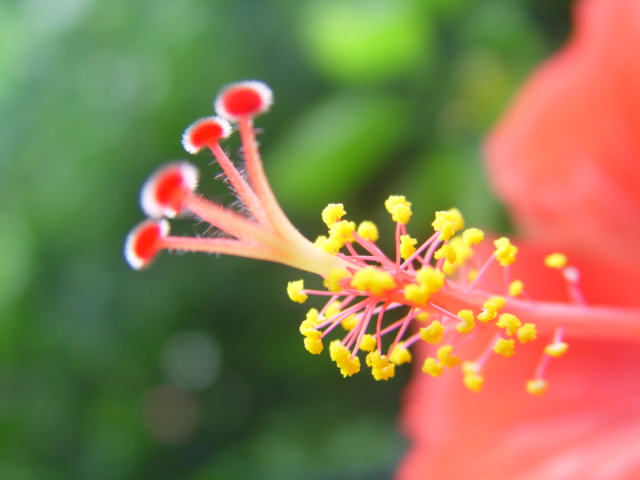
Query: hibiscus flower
[{"x": 566, "y": 161}]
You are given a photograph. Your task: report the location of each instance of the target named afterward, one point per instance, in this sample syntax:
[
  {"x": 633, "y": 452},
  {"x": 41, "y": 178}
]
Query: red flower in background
[{"x": 566, "y": 160}]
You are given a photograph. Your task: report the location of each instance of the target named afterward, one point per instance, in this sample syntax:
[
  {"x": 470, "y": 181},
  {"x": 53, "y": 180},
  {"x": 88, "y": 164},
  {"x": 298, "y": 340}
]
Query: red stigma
[
  {"x": 205, "y": 132},
  {"x": 242, "y": 101},
  {"x": 164, "y": 194},
  {"x": 144, "y": 242},
  {"x": 171, "y": 190}
]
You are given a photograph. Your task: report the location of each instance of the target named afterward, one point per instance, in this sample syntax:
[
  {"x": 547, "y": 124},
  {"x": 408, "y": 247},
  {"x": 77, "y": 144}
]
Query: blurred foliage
[{"x": 195, "y": 369}]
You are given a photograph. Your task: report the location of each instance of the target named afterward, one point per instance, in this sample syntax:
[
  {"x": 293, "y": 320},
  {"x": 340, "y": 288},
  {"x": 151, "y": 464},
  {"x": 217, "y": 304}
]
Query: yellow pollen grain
[
  {"x": 537, "y": 386},
  {"x": 407, "y": 246},
  {"x": 470, "y": 367},
  {"x": 332, "y": 213},
  {"x": 430, "y": 278},
  {"x": 368, "y": 343},
  {"x": 399, "y": 208},
  {"x": 448, "y": 252},
  {"x": 347, "y": 364},
  {"x": 308, "y": 329},
  {"x": 332, "y": 310},
  {"x": 510, "y": 323},
  {"x": 457, "y": 220},
  {"x": 432, "y": 333},
  {"x": 468, "y": 321},
  {"x": 373, "y": 280},
  {"x": 332, "y": 281},
  {"x": 505, "y": 252},
  {"x": 432, "y": 367},
  {"x": 400, "y": 354},
  {"x": 515, "y": 288},
  {"x": 416, "y": 294},
  {"x": 312, "y": 315},
  {"x": 342, "y": 232},
  {"x": 556, "y": 260},
  {"x": 443, "y": 224},
  {"x": 445, "y": 356},
  {"x": 313, "y": 345},
  {"x": 423, "y": 316},
  {"x": 556, "y": 349},
  {"x": 472, "y": 236},
  {"x": 294, "y": 291},
  {"x": 504, "y": 347},
  {"x": 527, "y": 333},
  {"x": 381, "y": 367},
  {"x": 473, "y": 381},
  {"x": 349, "y": 323},
  {"x": 368, "y": 231}
]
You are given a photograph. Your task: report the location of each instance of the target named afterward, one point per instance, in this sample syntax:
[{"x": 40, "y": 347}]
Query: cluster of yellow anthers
[
  {"x": 441, "y": 281},
  {"x": 431, "y": 279}
]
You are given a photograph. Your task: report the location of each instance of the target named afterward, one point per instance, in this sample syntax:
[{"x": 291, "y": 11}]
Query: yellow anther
[
  {"x": 444, "y": 223},
  {"x": 399, "y": 209},
  {"x": 350, "y": 322},
  {"x": 332, "y": 310},
  {"x": 504, "y": 347},
  {"x": 495, "y": 303},
  {"x": 432, "y": 333},
  {"x": 381, "y": 367},
  {"x": 445, "y": 356},
  {"x": 505, "y": 252},
  {"x": 515, "y": 288},
  {"x": 368, "y": 231},
  {"x": 416, "y": 294},
  {"x": 400, "y": 354},
  {"x": 463, "y": 253},
  {"x": 527, "y": 333},
  {"x": 470, "y": 367},
  {"x": 510, "y": 323},
  {"x": 312, "y": 315},
  {"x": 340, "y": 354},
  {"x": 556, "y": 260},
  {"x": 556, "y": 349},
  {"x": 491, "y": 308},
  {"x": 313, "y": 345},
  {"x": 423, "y": 316},
  {"x": 432, "y": 367},
  {"x": 373, "y": 280},
  {"x": 294, "y": 291},
  {"x": 537, "y": 386},
  {"x": 472, "y": 236},
  {"x": 407, "y": 246},
  {"x": 430, "y": 278},
  {"x": 472, "y": 275},
  {"x": 468, "y": 321},
  {"x": 473, "y": 381},
  {"x": 456, "y": 219},
  {"x": 323, "y": 243},
  {"x": 342, "y": 232},
  {"x": 332, "y": 213},
  {"x": 332, "y": 281},
  {"x": 308, "y": 329},
  {"x": 487, "y": 315},
  {"x": 368, "y": 343},
  {"x": 446, "y": 251}
]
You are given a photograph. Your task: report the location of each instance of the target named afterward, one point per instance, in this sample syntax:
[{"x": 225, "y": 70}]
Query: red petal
[
  {"x": 585, "y": 427},
  {"x": 566, "y": 158}
]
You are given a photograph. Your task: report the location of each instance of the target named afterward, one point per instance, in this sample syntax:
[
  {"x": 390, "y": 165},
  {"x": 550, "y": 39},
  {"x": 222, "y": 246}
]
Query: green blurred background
[{"x": 195, "y": 369}]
